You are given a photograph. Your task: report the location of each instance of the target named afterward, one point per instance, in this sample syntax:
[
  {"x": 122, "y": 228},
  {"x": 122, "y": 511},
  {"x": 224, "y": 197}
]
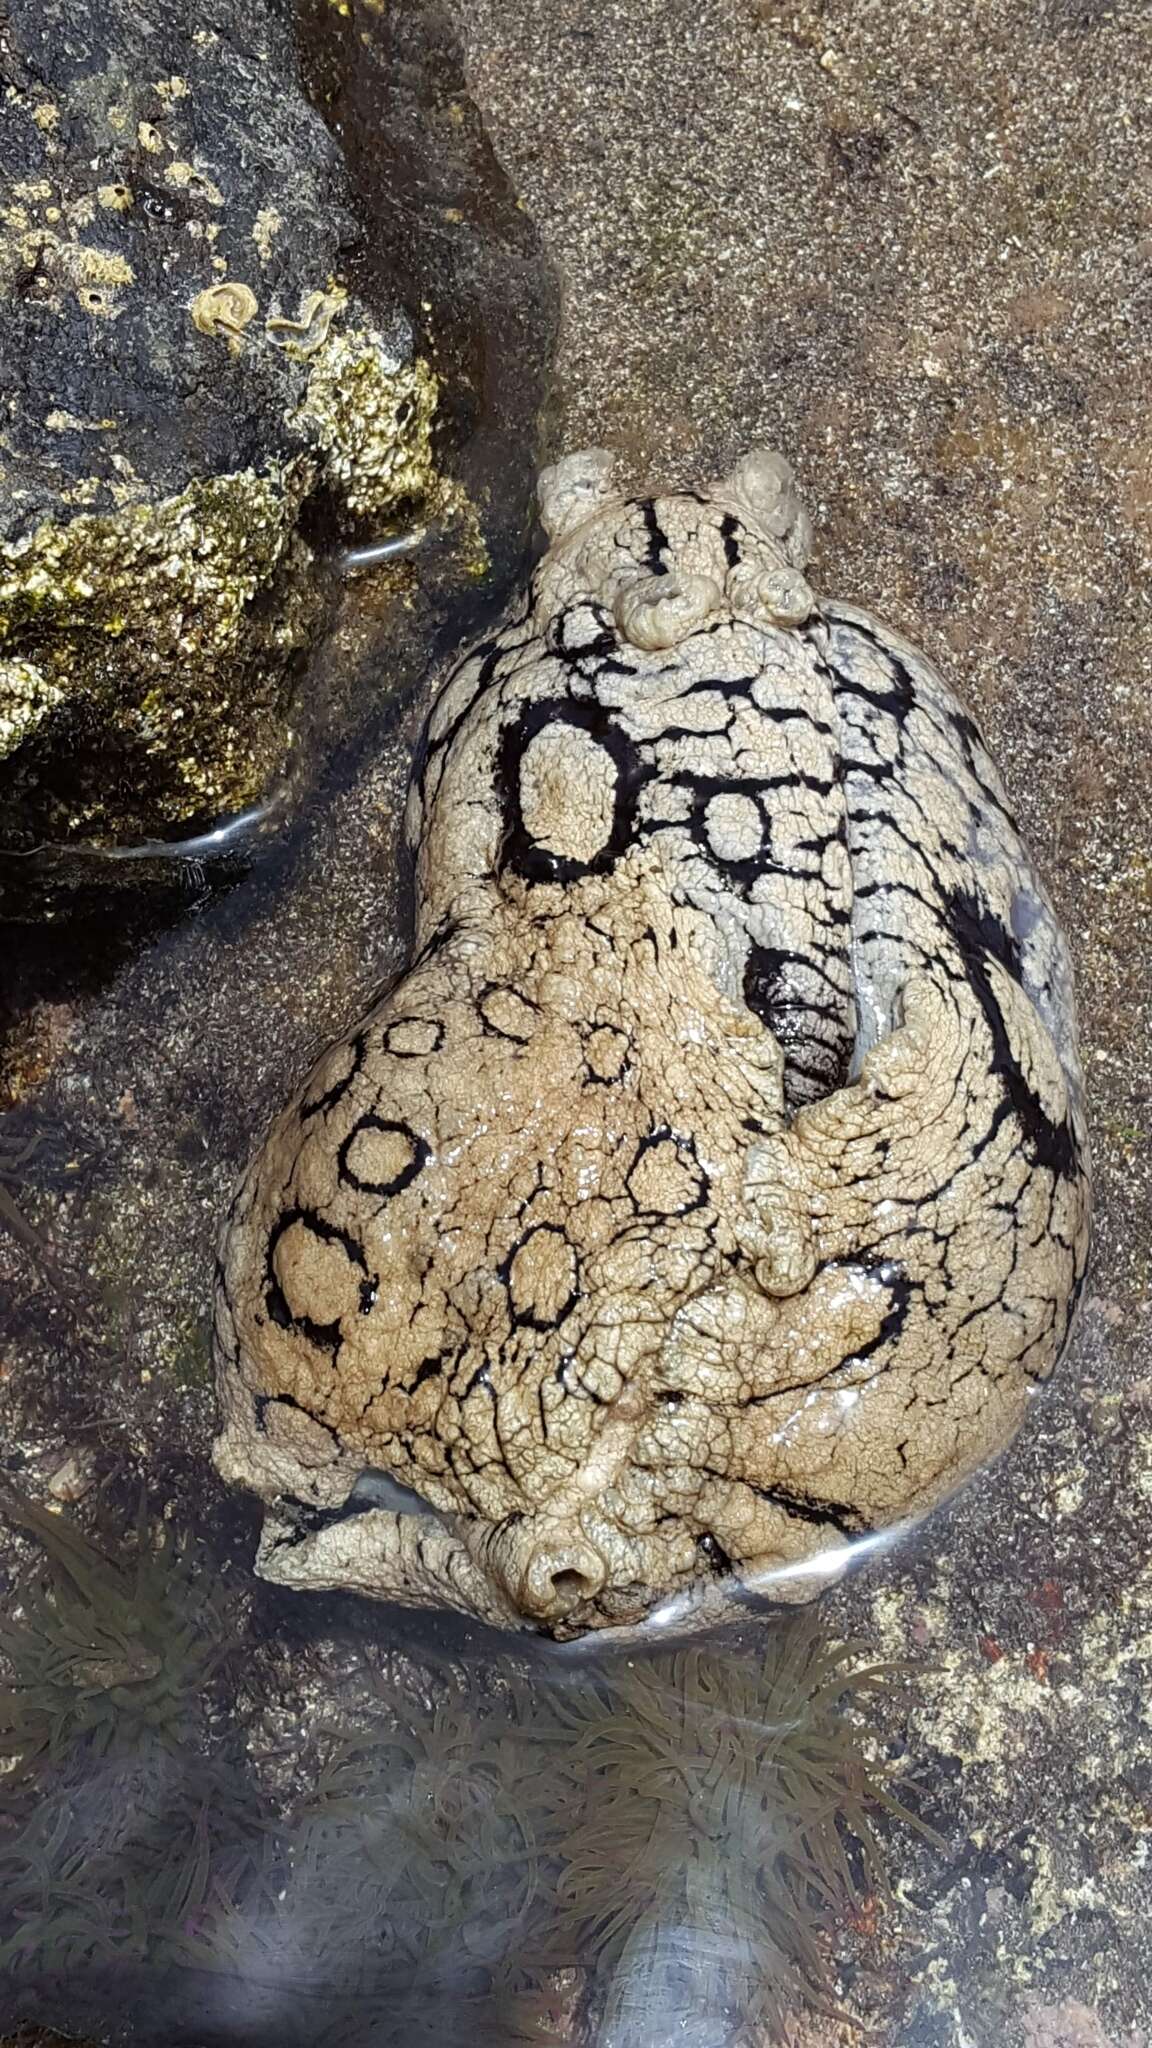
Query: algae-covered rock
[{"x": 186, "y": 365}]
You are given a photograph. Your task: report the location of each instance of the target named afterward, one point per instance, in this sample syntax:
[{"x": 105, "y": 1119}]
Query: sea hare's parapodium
[{"x": 712, "y": 1189}]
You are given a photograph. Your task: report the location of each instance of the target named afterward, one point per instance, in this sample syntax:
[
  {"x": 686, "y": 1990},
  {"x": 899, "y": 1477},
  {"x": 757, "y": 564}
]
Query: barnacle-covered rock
[
  {"x": 186, "y": 363},
  {"x": 711, "y": 1191}
]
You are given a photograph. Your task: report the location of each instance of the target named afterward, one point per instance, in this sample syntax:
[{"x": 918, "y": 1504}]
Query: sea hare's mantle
[{"x": 712, "y": 1189}]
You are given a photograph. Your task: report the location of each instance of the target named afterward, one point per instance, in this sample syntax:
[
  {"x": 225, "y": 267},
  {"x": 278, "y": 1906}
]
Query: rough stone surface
[
  {"x": 186, "y": 363},
  {"x": 106, "y": 1041},
  {"x": 910, "y": 244},
  {"x": 711, "y": 1190}
]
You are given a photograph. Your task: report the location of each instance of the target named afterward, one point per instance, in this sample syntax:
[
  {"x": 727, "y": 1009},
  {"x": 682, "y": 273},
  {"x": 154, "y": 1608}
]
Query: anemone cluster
[{"x": 602, "y": 1850}]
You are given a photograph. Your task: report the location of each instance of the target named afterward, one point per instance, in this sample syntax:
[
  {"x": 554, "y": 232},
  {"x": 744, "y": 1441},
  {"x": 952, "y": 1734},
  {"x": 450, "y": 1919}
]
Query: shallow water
[
  {"x": 154, "y": 1029},
  {"x": 425, "y": 1839}
]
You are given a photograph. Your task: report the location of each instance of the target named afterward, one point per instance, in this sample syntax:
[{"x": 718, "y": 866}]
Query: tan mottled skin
[{"x": 712, "y": 1188}]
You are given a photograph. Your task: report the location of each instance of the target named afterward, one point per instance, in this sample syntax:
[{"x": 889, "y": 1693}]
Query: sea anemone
[
  {"x": 623, "y": 1848},
  {"x": 713, "y": 1808},
  {"x": 106, "y": 1650}
]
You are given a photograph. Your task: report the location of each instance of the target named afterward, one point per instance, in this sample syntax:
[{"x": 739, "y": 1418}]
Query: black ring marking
[
  {"x": 572, "y": 652},
  {"x": 614, "y": 1033},
  {"x": 526, "y": 1318},
  {"x": 493, "y": 1030},
  {"x": 519, "y": 851},
  {"x": 686, "y": 1157},
  {"x": 421, "y": 1153},
  {"x": 398, "y": 1023},
  {"x": 326, "y": 1336},
  {"x": 323, "y": 1103}
]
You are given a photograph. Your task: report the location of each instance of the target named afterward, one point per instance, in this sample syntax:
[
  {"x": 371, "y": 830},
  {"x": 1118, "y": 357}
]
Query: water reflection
[{"x": 355, "y": 561}]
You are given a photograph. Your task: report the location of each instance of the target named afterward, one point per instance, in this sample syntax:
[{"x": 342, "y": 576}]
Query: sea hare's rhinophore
[{"x": 712, "y": 1189}]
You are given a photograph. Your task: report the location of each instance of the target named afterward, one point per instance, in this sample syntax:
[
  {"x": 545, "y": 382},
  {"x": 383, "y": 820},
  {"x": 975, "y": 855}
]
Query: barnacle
[
  {"x": 309, "y": 331},
  {"x": 225, "y": 308}
]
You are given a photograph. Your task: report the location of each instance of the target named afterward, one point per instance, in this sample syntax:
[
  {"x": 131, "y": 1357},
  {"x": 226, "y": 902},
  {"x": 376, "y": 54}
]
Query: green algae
[
  {"x": 372, "y": 417},
  {"x": 154, "y": 665}
]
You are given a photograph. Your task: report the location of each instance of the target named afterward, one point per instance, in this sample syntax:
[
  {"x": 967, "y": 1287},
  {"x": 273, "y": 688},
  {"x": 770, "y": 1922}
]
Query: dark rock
[
  {"x": 143, "y": 1071},
  {"x": 190, "y": 363}
]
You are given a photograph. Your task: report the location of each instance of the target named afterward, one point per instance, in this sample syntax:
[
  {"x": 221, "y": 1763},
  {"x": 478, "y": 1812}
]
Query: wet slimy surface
[{"x": 711, "y": 1191}]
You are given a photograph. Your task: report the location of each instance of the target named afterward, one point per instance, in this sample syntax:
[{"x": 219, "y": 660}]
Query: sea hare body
[{"x": 711, "y": 1190}]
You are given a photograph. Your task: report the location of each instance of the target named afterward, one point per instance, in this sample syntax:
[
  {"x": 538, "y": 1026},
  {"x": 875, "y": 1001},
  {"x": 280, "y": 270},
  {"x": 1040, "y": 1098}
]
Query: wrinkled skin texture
[{"x": 711, "y": 1191}]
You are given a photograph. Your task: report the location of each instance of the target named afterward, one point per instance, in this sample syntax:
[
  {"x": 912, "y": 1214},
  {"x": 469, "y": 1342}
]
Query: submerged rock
[
  {"x": 140, "y": 1070},
  {"x": 188, "y": 366}
]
